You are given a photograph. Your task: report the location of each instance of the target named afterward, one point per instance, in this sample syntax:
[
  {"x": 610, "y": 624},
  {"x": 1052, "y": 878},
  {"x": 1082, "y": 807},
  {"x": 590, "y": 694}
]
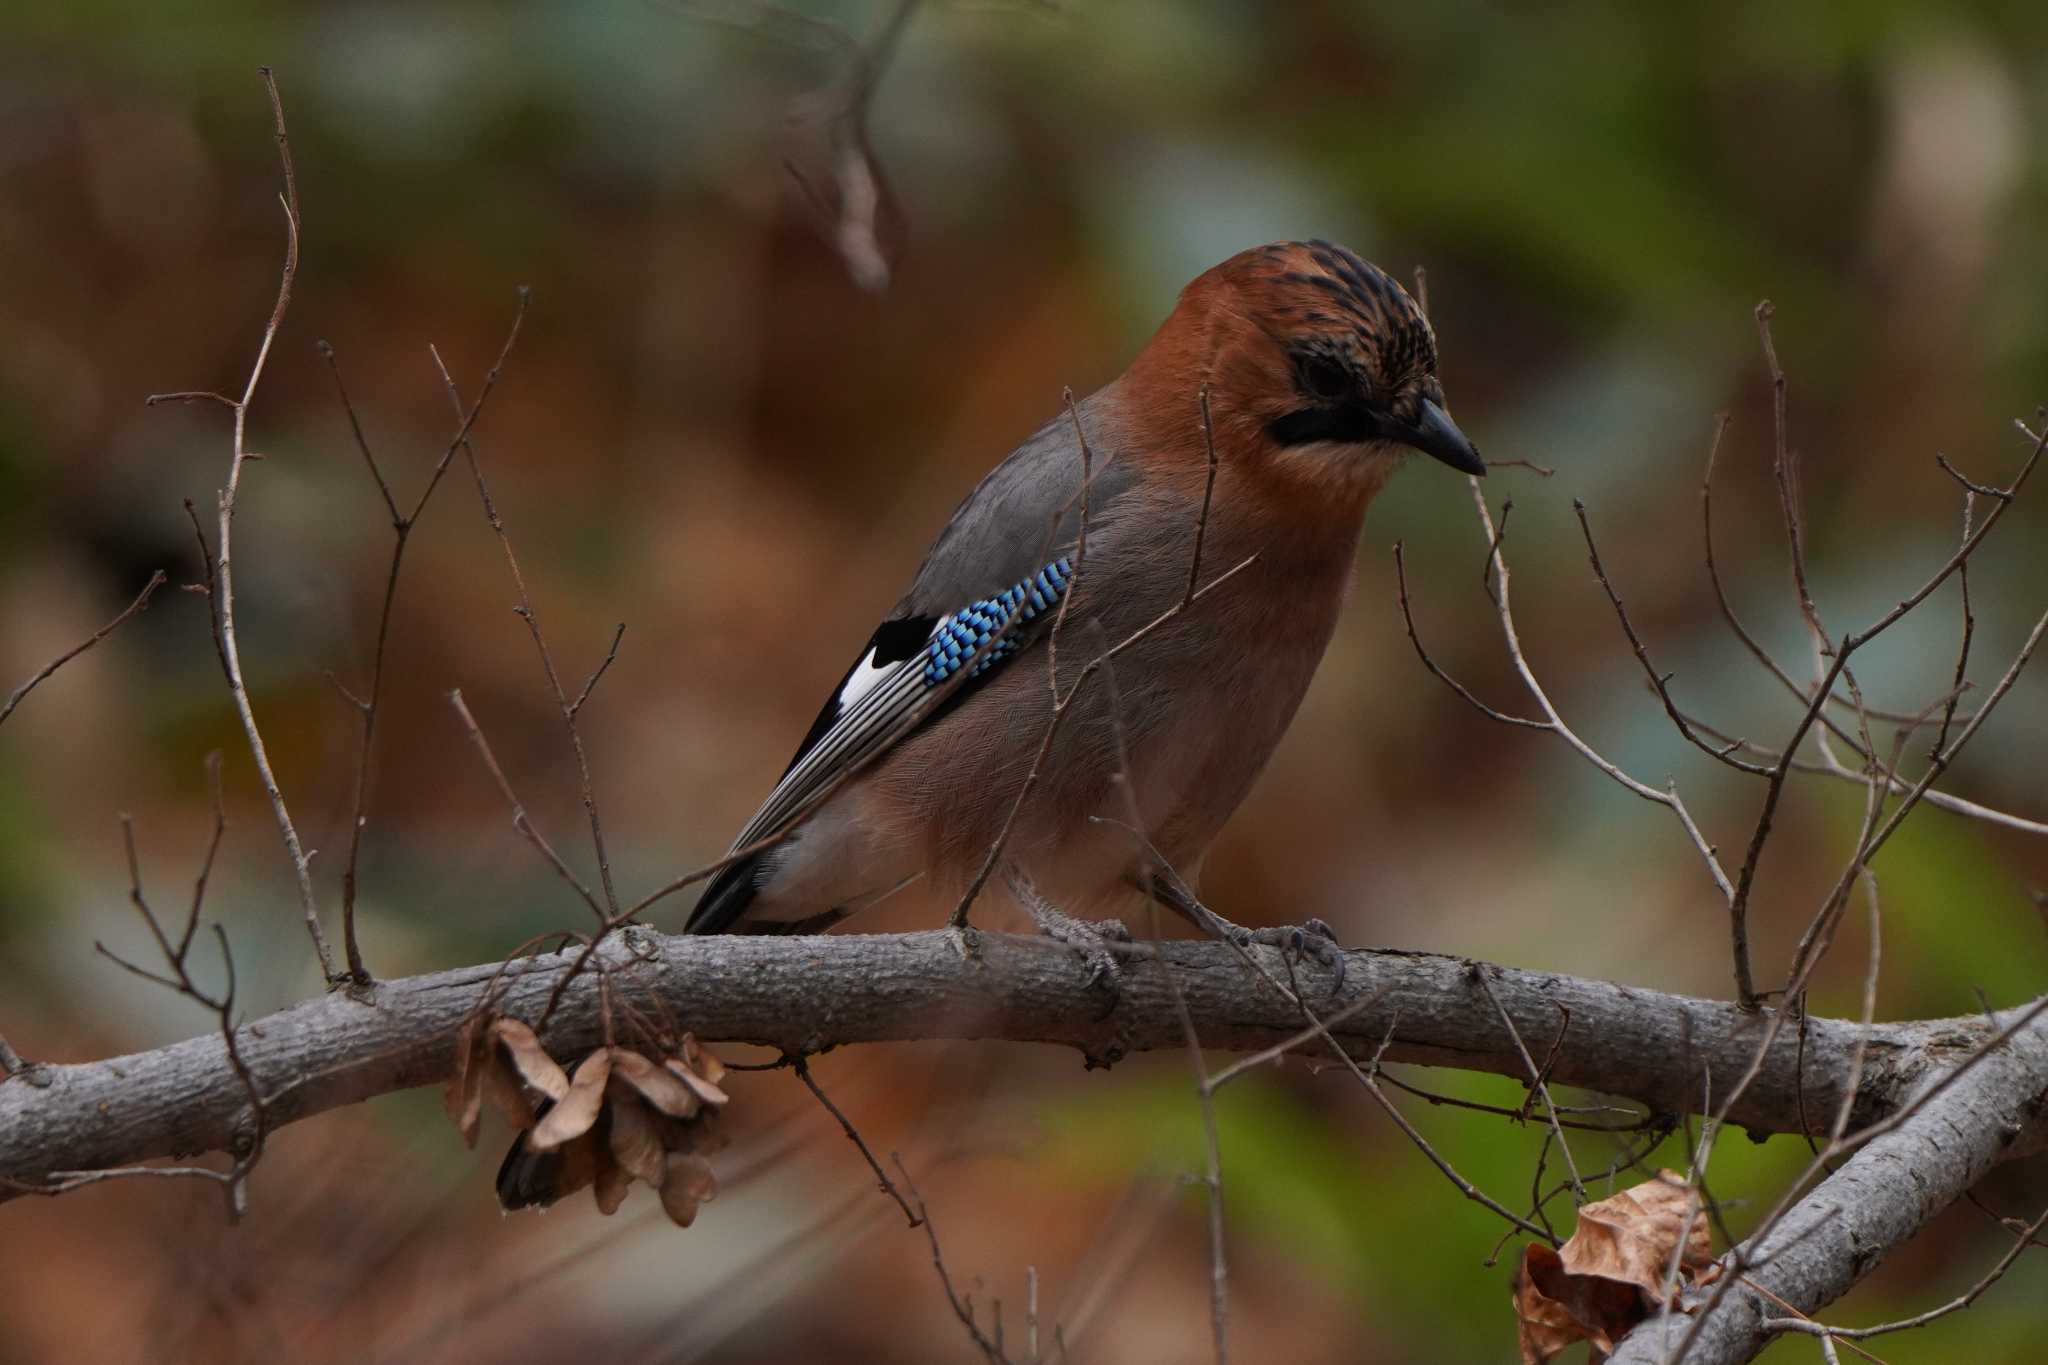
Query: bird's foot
[
  {"x": 1092, "y": 939},
  {"x": 1312, "y": 938}
]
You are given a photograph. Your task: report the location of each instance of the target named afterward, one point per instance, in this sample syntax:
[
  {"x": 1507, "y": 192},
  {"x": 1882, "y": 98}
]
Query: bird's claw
[
  {"x": 1092, "y": 940},
  {"x": 1312, "y": 938}
]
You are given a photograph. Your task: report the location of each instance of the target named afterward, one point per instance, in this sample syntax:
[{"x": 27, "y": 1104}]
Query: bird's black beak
[{"x": 1434, "y": 433}]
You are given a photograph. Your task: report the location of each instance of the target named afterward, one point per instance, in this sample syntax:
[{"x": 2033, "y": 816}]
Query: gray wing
[
  {"x": 1025, "y": 513},
  {"x": 987, "y": 587}
]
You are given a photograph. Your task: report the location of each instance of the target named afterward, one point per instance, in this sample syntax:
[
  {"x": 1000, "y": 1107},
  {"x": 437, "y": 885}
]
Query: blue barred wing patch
[{"x": 959, "y": 637}]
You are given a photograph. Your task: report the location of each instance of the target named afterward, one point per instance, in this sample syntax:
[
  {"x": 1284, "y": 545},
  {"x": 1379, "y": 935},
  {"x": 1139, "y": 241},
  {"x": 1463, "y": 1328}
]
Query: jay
[
  {"x": 1238, "y": 451},
  {"x": 1252, "y": 430}
]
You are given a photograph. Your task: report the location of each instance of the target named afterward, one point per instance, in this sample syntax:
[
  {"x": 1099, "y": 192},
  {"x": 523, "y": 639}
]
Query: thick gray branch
[
  {"x": 1841, "y": 1231},
  {"x": 813, "y": 993}
]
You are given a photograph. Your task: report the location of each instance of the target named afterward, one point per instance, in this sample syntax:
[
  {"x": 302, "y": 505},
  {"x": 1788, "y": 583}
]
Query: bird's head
[{"x": 1317, "y": 362}]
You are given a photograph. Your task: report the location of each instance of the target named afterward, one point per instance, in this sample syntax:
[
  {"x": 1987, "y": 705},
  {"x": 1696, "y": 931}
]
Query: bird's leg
[
  {"x": 1311, "y": 938},
  {"x": 1090, "y": 938}
]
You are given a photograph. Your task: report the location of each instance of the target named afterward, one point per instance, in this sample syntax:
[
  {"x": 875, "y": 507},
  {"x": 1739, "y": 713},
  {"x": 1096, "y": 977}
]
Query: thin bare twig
[
  {"x": 963, "y": 1309},
  {"x": 139, "y": 605},
  {"x": 1553, "y": 721},
  {"x": 958, "y": 920},
  {"x": 1785, "y": 469},
  {"x": 1059, "y": 618},
  {"x": 1948, "y": 713},
  {"x": 1265, "y": 1056},
  {"x": 1947, "y": 756},
  {"x": 1839, "y": 651},
  {"x": 1819, "y": 935},
  {"x": 1659, "y": 682},
  {"x": 1493, "y": 548},
  {"x": 1971, "y": 488},
  {"x": 1063, "y": 704},
  {"x": 1827, "y": 766},
  {"x": 248, "y": 1149},
  {"x": 802, "y": 1067},
  {"x": 1540, "y": 470},
  {"x": 589, "y": 686},
  {"x": 520, "y": 820},
  {"x": 1639, "y": 1123},
  {"x": 1408, "y": 620},
  {"x": 526, "y": 612},
  {"x": 1179, "y": 896},
  {"x": 402, "y": 525},
  {"x": 1539, "y": 1084},
  {"x": 1727, "y": 607},
  {"x": 1208, "y": 494},
  {"x": 220, "y": 569},
  {"x": 1212, "y": 1169},
  {"x": 1368, "y": 1077}
]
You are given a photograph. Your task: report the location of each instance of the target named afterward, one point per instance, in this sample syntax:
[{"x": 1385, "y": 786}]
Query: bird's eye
[{"x": 1325, "y": 377}]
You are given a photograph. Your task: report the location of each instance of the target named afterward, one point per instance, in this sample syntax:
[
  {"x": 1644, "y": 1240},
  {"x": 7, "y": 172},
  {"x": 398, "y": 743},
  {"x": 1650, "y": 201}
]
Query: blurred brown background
[{"x": 710, "y": 433}]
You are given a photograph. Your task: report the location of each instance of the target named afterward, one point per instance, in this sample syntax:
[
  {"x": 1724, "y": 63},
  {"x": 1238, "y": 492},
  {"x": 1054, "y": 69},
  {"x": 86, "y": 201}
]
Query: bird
[
  {"x": 1107, "y": 640},
  {"x": 1310, "y": 373}
]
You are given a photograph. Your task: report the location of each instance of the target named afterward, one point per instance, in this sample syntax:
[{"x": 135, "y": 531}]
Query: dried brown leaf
[
  {"x": 707, "y": 1091},
  {"x": 1556, "y": 1308},
  {"x": 663, "y": 1089},
  {"x": 535, "y": 1067},
  {"x": 1629, "y": 1237},
  {"x": 1544, "y": 1326},
  {"x": 578, "y": 1108},
  {"x": 634, "y": 1142},
  {"x": 463, "y": 1096},
  {"x": 1611, "y": 1271},
  {"x": 690, "y": 1183}
]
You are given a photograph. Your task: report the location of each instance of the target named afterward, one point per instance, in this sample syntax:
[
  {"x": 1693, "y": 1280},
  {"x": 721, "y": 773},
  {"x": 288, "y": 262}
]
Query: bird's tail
[
  {"x": 528, "y": 1179},
  {"x": 725, "y": 900}
]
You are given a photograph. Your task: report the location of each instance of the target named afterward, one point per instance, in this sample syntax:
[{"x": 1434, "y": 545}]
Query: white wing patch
[{"x": 863, "y": 680}]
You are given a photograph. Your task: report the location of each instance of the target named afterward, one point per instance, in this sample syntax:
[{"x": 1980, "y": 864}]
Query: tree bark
[
  {"x": 1880, "y": 1197},
  {"x": 807, "y": 994}
]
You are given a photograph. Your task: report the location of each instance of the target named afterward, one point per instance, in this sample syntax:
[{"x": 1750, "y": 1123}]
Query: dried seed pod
[
  {"x": 634, "y": 1142},
  {"x": 534, "y": 1065},
  {"x": 704, "y": 1090},
  {"x": 661, "y": 1086},
  {"x": 463, "y": 1098},
  {"x": 608, "y": 1185},
  {"x": 578, "y": 1109},
  {"x": 690, "y": 1183}
]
